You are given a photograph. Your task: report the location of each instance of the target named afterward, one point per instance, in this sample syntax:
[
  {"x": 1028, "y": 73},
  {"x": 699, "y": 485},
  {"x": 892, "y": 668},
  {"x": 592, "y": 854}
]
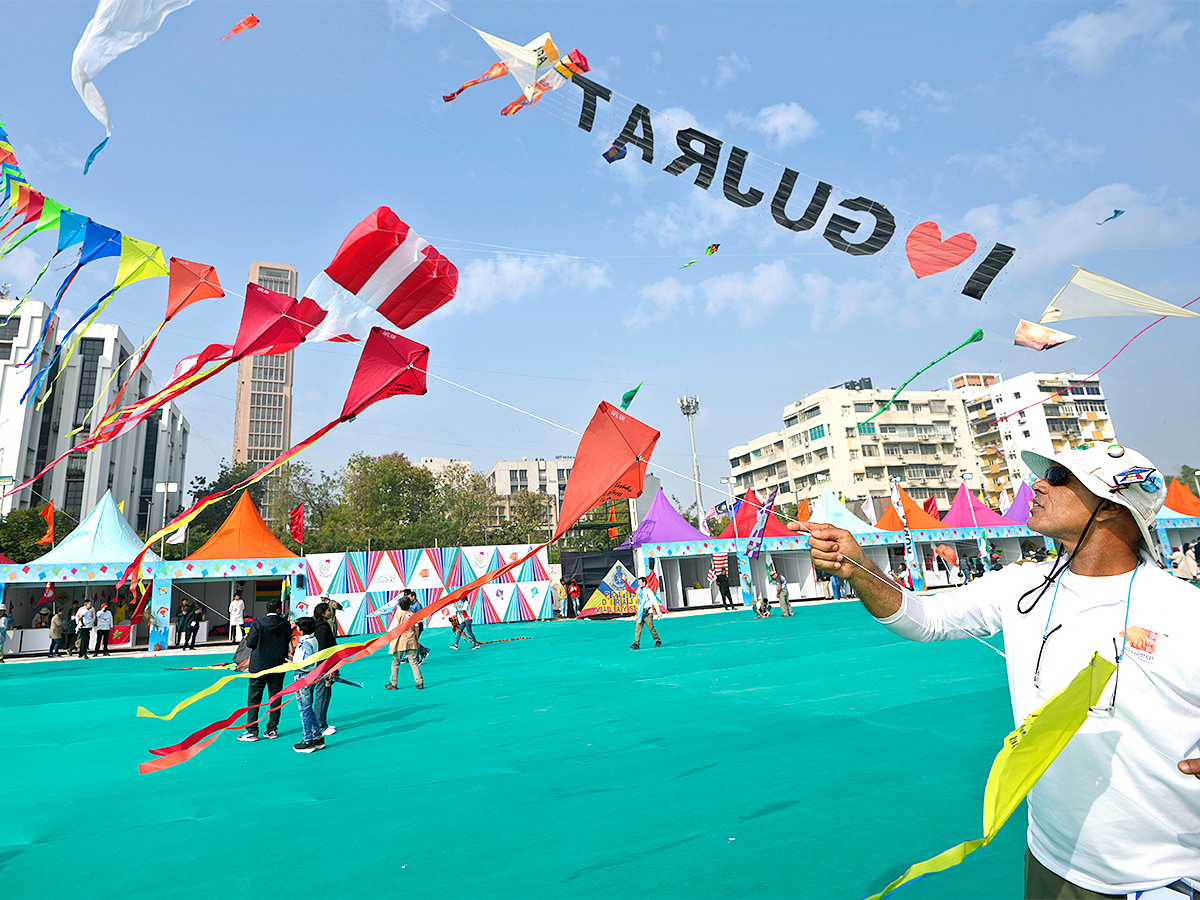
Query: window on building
[
  {"x": 8, "y": 333},
  {"x": 901, "y": 405},
  {"x": 1025, "y": 433},
  {"x": 846, "y": 410},
  {"x": 790, "y": 421},
  {"x": 862, "y": 407},
  {"x": 866, "y": 428},
  {"x": 859, "y": 476},
  {"x": 875, "y": 472},
  {"x": 1016, "y": 395},
  {"x": 1095, "y": 391},
  {"x": 90, "y": 350},
  {"x": 870, "y": 450},
  {"x": 854, "y": 454},
  {"x": 812, "y": 412},
  {"x": 816, "y": 432},
  {"x": 891, "y": 450}
]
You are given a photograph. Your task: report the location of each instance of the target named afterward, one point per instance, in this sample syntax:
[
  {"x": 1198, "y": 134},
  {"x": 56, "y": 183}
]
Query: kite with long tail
[
  {"x": 609, "y": 464},
  {"x": 975, "y": 337}
]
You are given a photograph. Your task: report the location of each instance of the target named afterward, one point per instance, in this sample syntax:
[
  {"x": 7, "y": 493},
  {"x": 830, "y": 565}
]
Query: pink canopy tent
[{"x": 968, "y": 511}]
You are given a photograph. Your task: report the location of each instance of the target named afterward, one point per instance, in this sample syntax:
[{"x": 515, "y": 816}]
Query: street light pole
[
  {"x": 689, "y": 406},
  {"x": 165, "y": 488}
]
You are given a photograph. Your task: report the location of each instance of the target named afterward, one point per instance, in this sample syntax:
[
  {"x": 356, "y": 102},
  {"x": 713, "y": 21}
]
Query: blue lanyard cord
[{"x": 1125, "y": 629}]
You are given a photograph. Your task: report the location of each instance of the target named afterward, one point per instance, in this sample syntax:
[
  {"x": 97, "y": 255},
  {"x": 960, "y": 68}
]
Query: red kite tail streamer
[
  {"x": 498, "y": 70},
  {"x": 1094, "y": 374}
]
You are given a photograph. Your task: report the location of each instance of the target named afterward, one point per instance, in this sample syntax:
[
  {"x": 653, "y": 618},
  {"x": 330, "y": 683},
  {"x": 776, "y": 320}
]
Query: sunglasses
[{"x": 1057, "y": 476}]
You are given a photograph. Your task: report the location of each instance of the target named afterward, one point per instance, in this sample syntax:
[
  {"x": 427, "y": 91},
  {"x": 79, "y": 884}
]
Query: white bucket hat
[{"x": 1117, "y": 473}]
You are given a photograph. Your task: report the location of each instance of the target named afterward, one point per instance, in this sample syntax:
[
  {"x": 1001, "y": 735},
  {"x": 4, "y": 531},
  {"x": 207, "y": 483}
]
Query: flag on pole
[
  {"x": 179, "y": 536},
  {"x": 712, "y": 574},
  {"x": 627, "y": 397},
  {"x": 296, "y": 523},
  {"x": 652, "y": 580},
  {"x": 868, "y": 510},
  {"x": 48, "y": 515}
]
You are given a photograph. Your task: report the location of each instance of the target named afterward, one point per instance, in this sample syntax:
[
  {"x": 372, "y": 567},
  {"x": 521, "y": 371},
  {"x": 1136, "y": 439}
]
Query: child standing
[{"x": 310, "y": 739}]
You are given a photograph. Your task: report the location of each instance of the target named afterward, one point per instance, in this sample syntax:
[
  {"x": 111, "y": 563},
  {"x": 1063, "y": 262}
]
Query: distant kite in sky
[
  {"x": 1039, "y": 337},
  {"x": 975, "y": 337},
  {"x": 1116, "y": 212},
  {"x": 245, "y": 25},
  {"x": 613, "y": 153},
  {"x": 712, "y": 248},
  {"x": 537, "y": 67},
  {"x": 117, "y": 26}
]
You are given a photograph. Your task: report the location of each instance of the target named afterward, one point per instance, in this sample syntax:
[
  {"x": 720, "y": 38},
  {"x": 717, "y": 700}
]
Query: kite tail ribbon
[
  {"x": 521, "y": 102},
  {"x": 144, "y": 351},
  {"x": 37, "y": 347},
  {"x": 332, "y": 659},
  {"x": 1024, "y": 757},
  {"x": 92, "y": 156},
  {"x": 975, "y": 337},
  {"x": 90, "y": 314},
  {"x": 498, "y": 70}
]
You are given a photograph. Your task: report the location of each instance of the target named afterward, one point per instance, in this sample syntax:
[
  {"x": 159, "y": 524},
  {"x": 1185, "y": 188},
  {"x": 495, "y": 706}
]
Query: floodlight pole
[{"x": 689, "y": 406}]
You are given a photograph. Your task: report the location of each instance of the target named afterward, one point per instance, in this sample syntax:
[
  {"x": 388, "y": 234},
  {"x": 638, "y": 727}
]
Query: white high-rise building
[
  {"x": 155, "y": 451},
  {"x": 1001, "y": 427}
]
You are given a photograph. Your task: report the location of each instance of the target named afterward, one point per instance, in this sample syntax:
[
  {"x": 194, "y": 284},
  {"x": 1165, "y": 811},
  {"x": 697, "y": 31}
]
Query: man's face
[{"x": 1061, "y": 512}]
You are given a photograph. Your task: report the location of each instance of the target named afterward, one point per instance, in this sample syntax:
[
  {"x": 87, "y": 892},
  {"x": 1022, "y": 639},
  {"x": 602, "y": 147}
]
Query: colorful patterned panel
[{"x": 356, "y": 572}]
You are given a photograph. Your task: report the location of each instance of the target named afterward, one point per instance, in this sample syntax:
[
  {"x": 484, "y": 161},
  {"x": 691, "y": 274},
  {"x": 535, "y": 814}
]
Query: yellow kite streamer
[{"x": 1026, "y": 755}]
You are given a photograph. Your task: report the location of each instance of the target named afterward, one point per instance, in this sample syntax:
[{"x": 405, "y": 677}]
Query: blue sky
[{"x": 1023, "y": 123}]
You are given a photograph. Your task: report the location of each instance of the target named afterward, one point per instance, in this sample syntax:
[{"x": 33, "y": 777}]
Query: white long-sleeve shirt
[
  {"x": 104, "y": 620},
  {"x": 1112, "y": 813},
  {"x": 85, "y": 617}
]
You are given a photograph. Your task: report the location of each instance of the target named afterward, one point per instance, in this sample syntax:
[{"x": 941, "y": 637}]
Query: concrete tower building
[{"x": 262, "y": 418}]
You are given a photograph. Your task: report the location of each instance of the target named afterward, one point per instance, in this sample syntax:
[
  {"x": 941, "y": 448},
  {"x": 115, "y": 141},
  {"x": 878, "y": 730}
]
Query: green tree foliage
[
  {"x": 22, "y": 528},
  {"x": 528, "y": 521},
  {"x": 321, "y": 495},
  {"x": 205, "y": 525}
]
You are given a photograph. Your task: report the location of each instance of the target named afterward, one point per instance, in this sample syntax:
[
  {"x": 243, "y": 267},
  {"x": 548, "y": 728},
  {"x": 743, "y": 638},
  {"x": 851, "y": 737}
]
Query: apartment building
[
  {"x": 153, "y": 452},
  {"x": 1001, "y": 426},
  {"x": 826, "y": 442}
]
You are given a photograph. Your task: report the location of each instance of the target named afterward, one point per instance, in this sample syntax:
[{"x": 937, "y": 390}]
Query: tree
[
  {"x": 527, "y": 523},
  {"x": 21, "y": 529},
  {"x": 1188, "y": 475},
  {"x": 689, "y": 513},
  {"x": 387, "y": 503},
  {"x": 321, "y": 495},
  {"x": 207, "y": 522},
  {"x": 465, "y": 502}
]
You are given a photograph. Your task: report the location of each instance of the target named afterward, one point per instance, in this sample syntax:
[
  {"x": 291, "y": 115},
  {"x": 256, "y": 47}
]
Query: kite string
[
  {"x": 1094, "y": 374},
  {"x": 670, "y": 471}
]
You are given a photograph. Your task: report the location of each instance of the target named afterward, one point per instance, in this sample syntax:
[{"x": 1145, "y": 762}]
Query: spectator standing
[
  {"x": 647, "y": 608},
  {"x": 104, "y": 624},
  {"x": 237, "y": 616},
  {"x": 404, "y": 644},
  {"x": 269, "y": 639},
  {"x": 71, "y": 626},
  {"x": 322, "y": 688},
  {"x": 191, "y": 625},
  {"x": 181, "y": 622},
  {"x": 721, "y": 568},
  {"x": 573, "y": 592},
  {"x": 560, "y": 598},
  {"x": 5, "y": 624},
  {"x": 781, "y": 594},
  {"x": 311, "y": 739},
  {"x": 58, "y": 627},
  {"x": 84, "y": 620}
]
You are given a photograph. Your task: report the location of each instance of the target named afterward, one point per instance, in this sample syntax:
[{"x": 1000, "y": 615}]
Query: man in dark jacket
[{"x": 269, "y": 640}]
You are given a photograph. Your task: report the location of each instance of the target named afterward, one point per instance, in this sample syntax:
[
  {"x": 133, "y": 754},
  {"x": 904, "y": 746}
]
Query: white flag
[{"x": 179, "y": 536}]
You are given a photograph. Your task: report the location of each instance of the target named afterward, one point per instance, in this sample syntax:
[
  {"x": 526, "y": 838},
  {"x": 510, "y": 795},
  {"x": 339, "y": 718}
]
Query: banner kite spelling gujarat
[
  {"x": 610, "y": 463},
  {"x": 1026, "y": 755}
]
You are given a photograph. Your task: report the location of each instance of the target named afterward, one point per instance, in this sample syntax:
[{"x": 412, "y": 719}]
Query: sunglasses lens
[{"x": 1057, "y": 476}]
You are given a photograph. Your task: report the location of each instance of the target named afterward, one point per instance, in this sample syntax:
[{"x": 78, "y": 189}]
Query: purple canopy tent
[{"x": 663, "y": 524}]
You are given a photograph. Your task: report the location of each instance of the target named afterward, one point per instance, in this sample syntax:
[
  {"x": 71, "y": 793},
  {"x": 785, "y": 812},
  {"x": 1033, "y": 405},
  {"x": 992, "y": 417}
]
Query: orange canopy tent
[
  {"x": 243, "y": 535},
  {"x": 918, "y": 519},
  {"x": 1180, "y": 499},
  {"x": 744, "y": 520},
  {"x": 803, "y": 513}
]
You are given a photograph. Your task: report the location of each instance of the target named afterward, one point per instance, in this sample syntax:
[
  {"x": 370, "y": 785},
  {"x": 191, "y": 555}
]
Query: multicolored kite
[
  {"x": 1039, "y": 337},
  {"x": 712, "y": 248},
  {"x": 537, "y": 67}
]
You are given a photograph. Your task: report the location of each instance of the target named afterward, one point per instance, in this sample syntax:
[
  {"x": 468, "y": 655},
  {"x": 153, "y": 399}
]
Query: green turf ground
[{"x": 816, "y": 757}]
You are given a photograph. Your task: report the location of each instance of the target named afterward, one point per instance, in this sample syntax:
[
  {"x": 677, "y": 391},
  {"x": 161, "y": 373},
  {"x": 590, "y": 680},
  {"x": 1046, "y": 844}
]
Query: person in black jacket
[
  {"x": 191, "y": 625},
  {"x": 323, "y": 613},
  {"x": 269, "y": 640}
]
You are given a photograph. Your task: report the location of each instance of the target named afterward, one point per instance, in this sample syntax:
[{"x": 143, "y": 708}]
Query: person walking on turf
[
  {"x": 311, "y": 738},
  {"x": 269, "y": 639},
  {"x": 84, "y": 620},
  {"x": 647, "y": 609},
  {"x": 323, "y": 632},
  {"x": 58, "y": 627},
  {"x": 463, "y": 613},
  {"x": 404, "y": 644}
]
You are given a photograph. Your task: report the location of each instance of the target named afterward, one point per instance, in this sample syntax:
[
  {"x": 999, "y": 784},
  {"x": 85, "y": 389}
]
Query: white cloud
[
  {"x": 1092, "y": 41},
  {"x": 507, "y": 279},
  {"x": 412, "y": 15},
  {"x": 876, "y": 122},
  {"x": 835, "y": 303},
  {"x": 1067, "y": 231},
  {"x": 57, "y": 156},
  {"x": 754, "y": 296},
  {"x": 660, "y": 300},
  {"x": 921, "y": 94},
  {"x": 19, "y": 269},
  {"x": 1034, "y": 149},
  {"x": 729, "y": 67},
  {"x": 783, "y": 124},
  {"x": 661, "y": 32}
]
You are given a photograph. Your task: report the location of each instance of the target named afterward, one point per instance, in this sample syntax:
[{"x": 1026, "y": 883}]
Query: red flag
[
  {"x": 652, "y": 580},
  {"x": 610, "y": 463},
  {"x": 296, "y": 523},
  {"x": 930, "y": 506},
  {"x": 48, "y": 515},
  {"x": 612, "y": 517}
]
